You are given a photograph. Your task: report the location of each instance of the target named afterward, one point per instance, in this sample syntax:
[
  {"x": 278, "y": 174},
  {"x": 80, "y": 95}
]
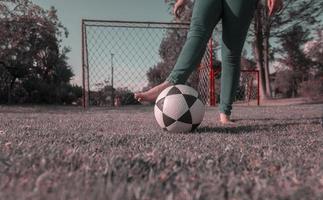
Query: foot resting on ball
[
  {"x": 152, "y": 94},
  {"x": 225, "y": 119}
]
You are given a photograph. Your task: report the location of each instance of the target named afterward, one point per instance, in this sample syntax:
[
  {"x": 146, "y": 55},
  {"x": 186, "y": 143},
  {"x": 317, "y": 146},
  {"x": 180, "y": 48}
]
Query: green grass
[{"x": 67, "y": 153}]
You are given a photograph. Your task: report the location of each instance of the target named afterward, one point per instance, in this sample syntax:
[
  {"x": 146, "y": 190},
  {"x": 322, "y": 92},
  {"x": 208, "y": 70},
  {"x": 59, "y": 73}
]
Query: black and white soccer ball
[{"x": 179, "y": 109}]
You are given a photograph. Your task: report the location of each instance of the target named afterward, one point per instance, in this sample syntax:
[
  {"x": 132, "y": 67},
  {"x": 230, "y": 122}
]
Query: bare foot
[
  {"x": 225, "y": 119},
  {"x": 152, "y": 94}
]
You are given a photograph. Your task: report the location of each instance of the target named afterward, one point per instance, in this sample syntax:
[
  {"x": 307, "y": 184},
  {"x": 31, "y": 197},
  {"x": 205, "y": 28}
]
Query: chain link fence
[
  {"x": 209, "y": 81},
  {"x": 248, "y": 90},
  {"x": 121, "y": 58}
]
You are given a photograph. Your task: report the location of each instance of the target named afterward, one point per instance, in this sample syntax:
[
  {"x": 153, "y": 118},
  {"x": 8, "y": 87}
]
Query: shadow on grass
[{"x": 247, "y": 129}]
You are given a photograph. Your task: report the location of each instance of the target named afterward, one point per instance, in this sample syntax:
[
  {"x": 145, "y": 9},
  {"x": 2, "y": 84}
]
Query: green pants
[{"x": 236, "y": 16}]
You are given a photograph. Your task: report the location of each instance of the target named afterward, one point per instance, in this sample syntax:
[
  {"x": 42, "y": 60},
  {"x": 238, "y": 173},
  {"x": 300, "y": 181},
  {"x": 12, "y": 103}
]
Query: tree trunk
[
  {"x": 259, "y": 53},
  {"x": 266, "y": 64},
  {"x": 260, "y": 67},
  {"x": 266, "y": 34},
  {"x": 12, "y": 83}
]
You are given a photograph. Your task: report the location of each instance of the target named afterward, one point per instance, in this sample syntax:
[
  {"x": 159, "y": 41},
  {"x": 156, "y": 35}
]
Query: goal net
[{"x": 120, "y": 58}]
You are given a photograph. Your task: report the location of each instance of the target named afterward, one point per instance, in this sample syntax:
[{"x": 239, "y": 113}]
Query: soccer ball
[{"x": 179, "y": 109}]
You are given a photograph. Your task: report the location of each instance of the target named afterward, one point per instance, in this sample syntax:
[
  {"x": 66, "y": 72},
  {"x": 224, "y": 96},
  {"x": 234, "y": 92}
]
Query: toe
[
  {"x": 138, "y": 96},
  {"x": 228, "y": 123}
]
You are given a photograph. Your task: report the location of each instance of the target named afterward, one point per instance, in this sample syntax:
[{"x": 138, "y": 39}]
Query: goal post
[
  {"x": 118, "y": 56},
  {"x": 209, "y": 82}
]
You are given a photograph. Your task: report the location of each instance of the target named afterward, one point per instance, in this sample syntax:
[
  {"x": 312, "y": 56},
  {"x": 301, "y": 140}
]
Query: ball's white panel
[
  {"x": 185, "y": 89},
  {"x": 197, "y": 111},
  {"x": 175, "y": 106},
  {"x": 159, "y": 117},
  {"x": 179, "y": 127},
  {"x": 163, "y": 93}
]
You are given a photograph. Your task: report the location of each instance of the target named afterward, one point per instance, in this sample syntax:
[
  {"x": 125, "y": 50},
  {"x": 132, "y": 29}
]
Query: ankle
[
  {"x": 167, "y": 83},
  {"x": 224, "y": 117}
]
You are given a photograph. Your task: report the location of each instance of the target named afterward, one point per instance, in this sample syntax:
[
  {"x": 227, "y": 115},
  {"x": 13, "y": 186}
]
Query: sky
[{"x": 71, "y": 12}]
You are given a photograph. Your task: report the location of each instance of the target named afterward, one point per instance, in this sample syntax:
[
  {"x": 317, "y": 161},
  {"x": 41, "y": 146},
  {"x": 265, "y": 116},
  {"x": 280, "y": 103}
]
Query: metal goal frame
[{"x": 206, "y": 71}]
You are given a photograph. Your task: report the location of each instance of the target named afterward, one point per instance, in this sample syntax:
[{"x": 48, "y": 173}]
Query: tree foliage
[
  {"x": 299, "y": 67},
  {"x": 313, "y": 50},
  {"x": 292, "y": 55},
  {"x": 267, "y": 30},
  {"x": 31, "y": 52},
  {"x": 169, "y": 50}
]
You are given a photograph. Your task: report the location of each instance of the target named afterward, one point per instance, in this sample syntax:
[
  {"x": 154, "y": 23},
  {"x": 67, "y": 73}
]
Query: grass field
[{"x": 273, "y": 152}]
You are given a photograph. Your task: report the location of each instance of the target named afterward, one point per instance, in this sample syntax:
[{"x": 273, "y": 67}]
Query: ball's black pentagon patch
[
  {"x": 190, "y": 100},
  {"x": 167, "y": 120},
  {"x": 160, "y": 103},
  {"x": 194, "y": 126},
  {"x": 186, "y": 118},
  {"x": 174, "y": 90}
]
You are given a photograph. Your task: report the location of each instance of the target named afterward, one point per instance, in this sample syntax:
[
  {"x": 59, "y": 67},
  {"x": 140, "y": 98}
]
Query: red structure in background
[
  {"x": 212, "y": 75},
  {"x": 215, "y": 71}
]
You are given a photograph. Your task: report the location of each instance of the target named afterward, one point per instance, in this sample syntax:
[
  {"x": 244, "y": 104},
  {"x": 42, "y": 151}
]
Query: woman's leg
[
  {"x": 206, "y": 14},
  {"x": 237, "y": 15}
]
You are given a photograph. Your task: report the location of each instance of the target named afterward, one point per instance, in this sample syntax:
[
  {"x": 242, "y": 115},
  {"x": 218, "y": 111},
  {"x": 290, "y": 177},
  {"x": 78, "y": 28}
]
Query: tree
[
  {"x": 298, "y": 66},
  {"x": 292, "y": 54},
  {"x": 268, "y": 29},
  {"x": 169, "y": 50},
  {"x": 313, "y": 50},
  {"x": 247, "y": 63},
  {"x": 30, "y": 48}
]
